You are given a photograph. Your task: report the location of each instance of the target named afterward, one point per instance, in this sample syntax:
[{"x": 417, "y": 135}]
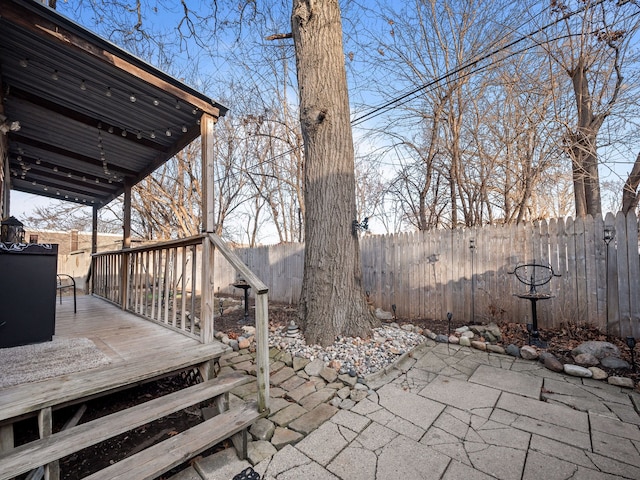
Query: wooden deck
[{"x": 139, "y": 350}]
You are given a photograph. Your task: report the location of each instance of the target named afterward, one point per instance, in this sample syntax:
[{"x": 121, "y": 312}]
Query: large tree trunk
[
  {"x": 332, "y": 301},
  {"x": 630, "y": 194}
]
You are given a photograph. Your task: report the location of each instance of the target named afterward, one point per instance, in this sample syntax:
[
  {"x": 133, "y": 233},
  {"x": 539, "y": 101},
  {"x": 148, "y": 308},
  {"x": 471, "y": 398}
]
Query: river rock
[
  {"x": 382, "y": 315},
  {"x": 586, "y": 360},
  {"x": 598, "y": 349},
  {"x": 552, "y": 363},
  {"x": 442, "y": 339},
  {"x": 453, "y": 339},
  {"x": 479, "y": 345},
  {"x": 461, "y": 330},
  {"x": 513, "y": 350},
  {"x": 613, "y": 362},
  {"x": 495, "y": 349},
  {"x": 528, "y": 352},
  {"x": 468, "y": 334},
  {"x": 598, "y": 373},
  {"x": 465, "y": 341},
  {"x": 577, "y": 371}
]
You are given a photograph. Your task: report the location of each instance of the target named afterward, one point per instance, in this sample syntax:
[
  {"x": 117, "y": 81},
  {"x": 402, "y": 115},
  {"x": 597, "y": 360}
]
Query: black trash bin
[{"x": 27, "y": 293}]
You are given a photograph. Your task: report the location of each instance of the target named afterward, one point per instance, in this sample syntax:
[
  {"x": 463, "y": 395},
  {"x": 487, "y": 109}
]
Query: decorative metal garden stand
[{"x": 534, "y": 275}]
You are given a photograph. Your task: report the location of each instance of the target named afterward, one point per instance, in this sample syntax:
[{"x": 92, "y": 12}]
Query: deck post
[
  {"x": 207, "y": 123},
  {"x": 45, "y": 426},
  {"x": 126, "y": 243},
  {"x": 262, "y": 351}
]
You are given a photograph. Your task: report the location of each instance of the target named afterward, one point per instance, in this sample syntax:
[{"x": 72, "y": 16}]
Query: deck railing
[{"x": 171, "y": 283}]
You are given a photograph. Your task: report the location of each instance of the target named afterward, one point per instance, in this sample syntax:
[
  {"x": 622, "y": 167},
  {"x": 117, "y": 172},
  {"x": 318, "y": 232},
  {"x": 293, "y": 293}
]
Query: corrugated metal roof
[{"x": 91, "y": 115}]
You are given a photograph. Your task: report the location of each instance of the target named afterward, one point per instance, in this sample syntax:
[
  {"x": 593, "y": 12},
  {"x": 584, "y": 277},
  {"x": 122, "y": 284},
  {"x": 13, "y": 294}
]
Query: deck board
[{"x": 139, "y": 350}]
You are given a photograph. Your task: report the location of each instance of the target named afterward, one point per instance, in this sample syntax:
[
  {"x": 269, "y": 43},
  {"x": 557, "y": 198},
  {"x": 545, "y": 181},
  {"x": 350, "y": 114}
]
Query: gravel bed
[{"x": 353, "y": 355}]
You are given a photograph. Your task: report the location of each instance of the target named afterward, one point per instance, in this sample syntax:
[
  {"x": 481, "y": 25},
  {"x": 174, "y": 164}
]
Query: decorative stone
[
  {"x": 552, "y": 363},
  {"x": 528, "y": 352},
  {"x": 577, "y": 371},
  {"x": 299, "y": 363},
  {"x": 233, "y": 344},
  {"x": 292, "y": 330},
  {"x": 348, "y": 379},
  {"x": 453, "y": 339},
  {"x": 494, "y": 330},
  {"x": 479, "y": 345},
  {"x": 407, "y": 327},
  {"x": 314, "y": 368},
  {"x": 513, "y": 350},
  {"x": 258, "y": 451},
  {"x": 495, "y": 349},
  {"x": 243, "y": 343},
  {"x": 344, "y": 393},
  {"x": 383, "y": 315},
  {"x": 586, "y": 360},
  {"x": 598, "y": 349},
  {"x": 336, "y": 401},
  {"x": 614, "y": 362},
  {"x": 329, "y": 374},
  {"x": 347, "y": 404},
  {"x": 489, "y": 337},
  {"x": 461, "y": 330},
  {"x": 430, "y": 335},
  {"x": 468, "y": 334},
  {"x": 335, "y": 364},
  {"x": 465, "y": 341},
  {"x": 598, "y": 373},
  {"x": 621, "y": 382},
  {"x": 442, "y": 339},
  {"x": 262, "y": 429}
]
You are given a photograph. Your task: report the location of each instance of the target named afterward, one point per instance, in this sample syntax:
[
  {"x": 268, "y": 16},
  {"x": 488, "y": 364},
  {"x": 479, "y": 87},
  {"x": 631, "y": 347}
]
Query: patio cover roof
[{"x": 92, "y": 116}]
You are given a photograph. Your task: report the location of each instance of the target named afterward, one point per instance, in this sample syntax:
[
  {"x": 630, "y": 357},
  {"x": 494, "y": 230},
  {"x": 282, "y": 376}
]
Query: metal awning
[{"x": 92, "y": 117}]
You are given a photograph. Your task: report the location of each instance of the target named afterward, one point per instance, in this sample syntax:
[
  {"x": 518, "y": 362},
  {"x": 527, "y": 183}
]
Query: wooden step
[
  {"x": 162, "y": 457},
  {"x": 21, "y": 400},
  {"x": 41, "y": 452}
]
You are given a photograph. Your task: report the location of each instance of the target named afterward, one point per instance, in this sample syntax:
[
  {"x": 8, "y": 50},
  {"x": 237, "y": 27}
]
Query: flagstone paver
[{"x": 447, "y": 412}]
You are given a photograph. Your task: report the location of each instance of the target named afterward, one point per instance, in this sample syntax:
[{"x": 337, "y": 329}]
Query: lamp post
[
  {"x": 608, "y": 235},
  {"x": 631, "y": 343}
]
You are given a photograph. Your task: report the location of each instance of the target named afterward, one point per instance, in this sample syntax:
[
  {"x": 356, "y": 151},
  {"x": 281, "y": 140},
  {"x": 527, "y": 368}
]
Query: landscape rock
[
  {"x": 598, "y": 349},
  {"x": 383, "y": 315},
  {"x": 243, "y": 343},
  {"x": 468, "y": 334},
  {"x": 358, "y": 395},
  {"x": 465, "y": 341},
  {"x": 586, "y": 359},
  {"x": 479, "y": 345},
  {"x": 495, "y": 349},
  {"x": 314, "y": 368},
  {"x": 262, "y": 429},
  {"x": 453, "y": 339},
  {"x": 299, "y": 363},
  {"x": 598, "y": 373},
  {"x": 528, "y": 352},
  {"x": 577, "y": 371},
  {"x": 442, "y": 338},
  {"x": 614, "y": 362},
  {"x": 258, "y": 451},
  {"x": 329, "y": 374},
  {"x": 552, "y": 363},
  {"x": 461, "y": 330},
  {"x": 513, "y": 350}
]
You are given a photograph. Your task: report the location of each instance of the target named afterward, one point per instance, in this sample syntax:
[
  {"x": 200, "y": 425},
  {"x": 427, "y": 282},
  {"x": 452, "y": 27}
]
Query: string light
[
  {"x": 24, "y": 63},
  {"x": 156, "y": 102},
  {"x": 108, "y": 92},
  {"x": 184, "y": 129},
  {"x": 83, "y": 86},
  {"x": 168, "y": 132},
  {"x": 153, "y": 134},
  {"x": 133, "y": 98},
  {"x": 54, "y": 75}
]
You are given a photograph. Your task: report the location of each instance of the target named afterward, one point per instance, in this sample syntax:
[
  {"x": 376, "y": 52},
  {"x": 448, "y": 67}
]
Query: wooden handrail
[
  {"x": 182, "y": 242},
  {"x": 251, "y": 278}
]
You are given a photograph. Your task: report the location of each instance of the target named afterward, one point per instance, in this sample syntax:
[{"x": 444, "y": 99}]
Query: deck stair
[{"x": 155, "y": 460}]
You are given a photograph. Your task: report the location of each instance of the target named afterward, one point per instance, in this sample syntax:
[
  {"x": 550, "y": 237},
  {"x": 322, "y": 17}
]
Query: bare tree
[
  {"x": 590, "y": 42},
  {"x": 332, "y": 301}
]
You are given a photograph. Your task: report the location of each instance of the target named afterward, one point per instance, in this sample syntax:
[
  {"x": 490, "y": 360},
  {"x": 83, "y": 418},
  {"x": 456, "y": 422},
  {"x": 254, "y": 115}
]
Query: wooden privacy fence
[{"x": 427, "y": 274}]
